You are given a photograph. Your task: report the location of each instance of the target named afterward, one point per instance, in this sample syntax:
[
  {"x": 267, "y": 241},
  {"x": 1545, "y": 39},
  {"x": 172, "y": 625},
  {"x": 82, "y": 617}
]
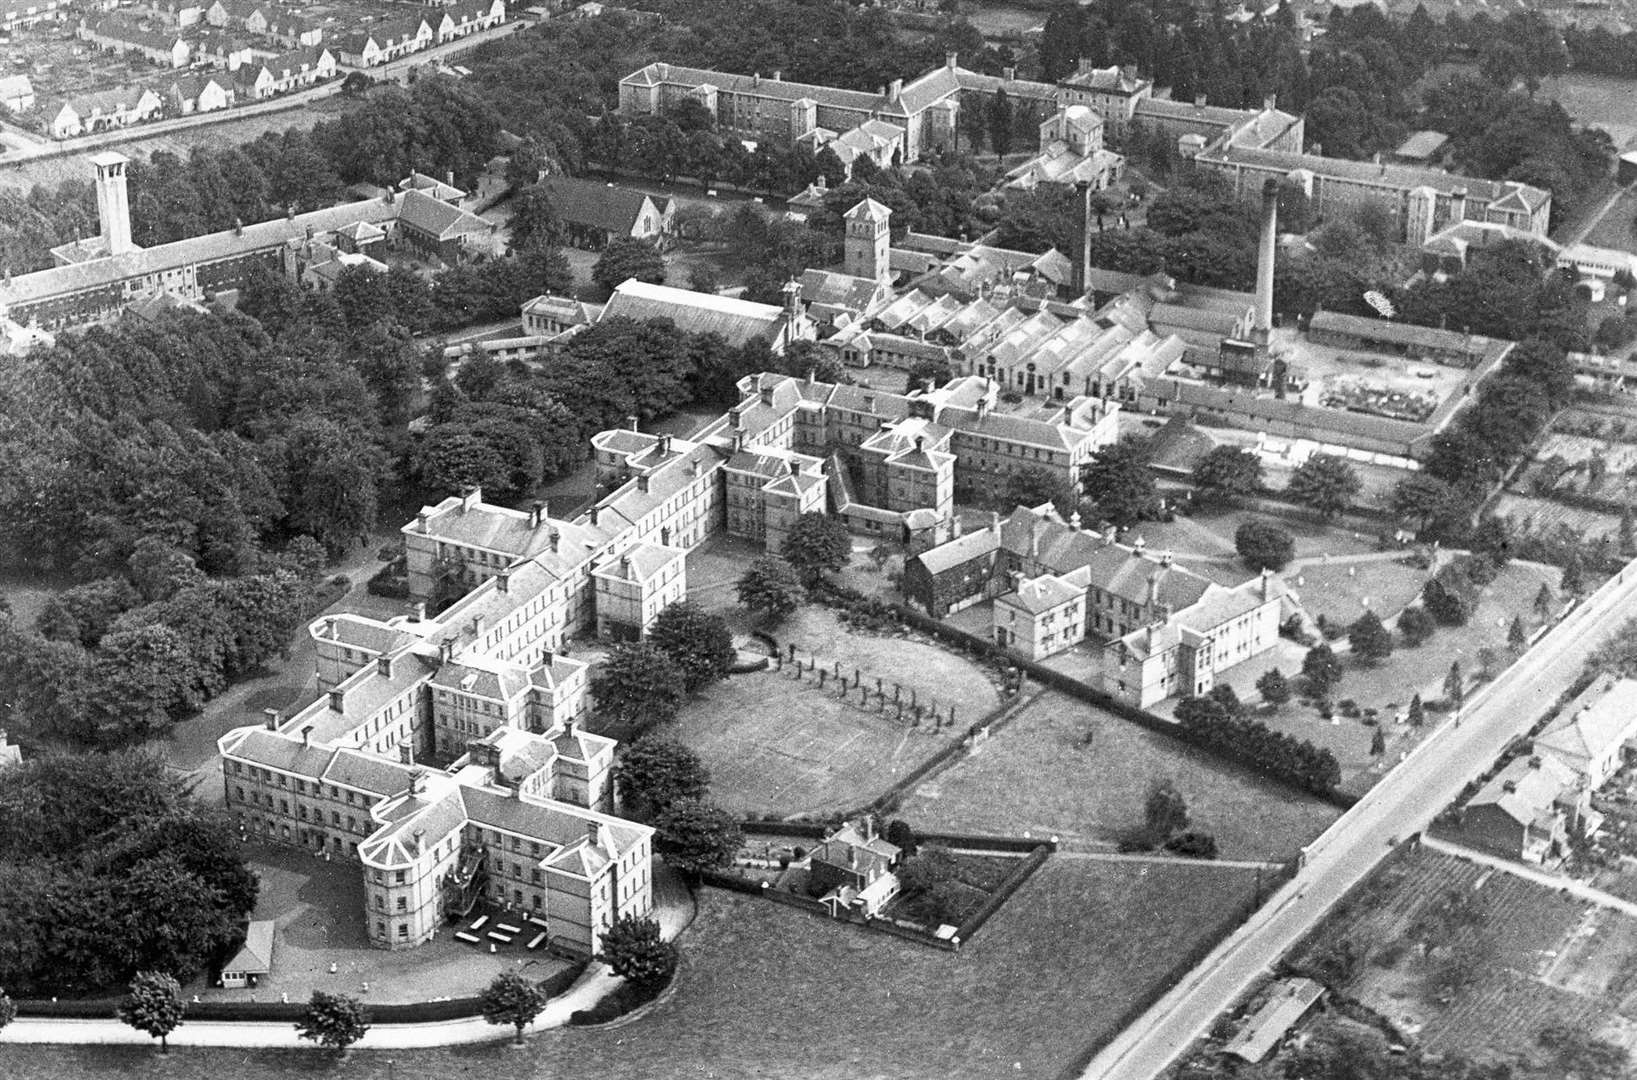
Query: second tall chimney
[
  {"x": 1265, "y": 257},
  {"x": 1081, "y": 256}
]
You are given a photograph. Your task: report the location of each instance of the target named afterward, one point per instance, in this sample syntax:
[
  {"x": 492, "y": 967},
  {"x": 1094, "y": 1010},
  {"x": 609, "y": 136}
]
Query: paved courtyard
[{"x": 318, "y": 906}]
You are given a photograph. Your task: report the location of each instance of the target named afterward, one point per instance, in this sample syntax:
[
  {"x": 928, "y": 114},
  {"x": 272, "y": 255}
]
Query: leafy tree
[
  {"x": 83, "y": 613},
  {"x": 1118, "y": 480},
  {"x": 1378, "y": 743},
  {"x": 817, "y": 544},
  {"x": 145, "y": 679},
  {"x": 1228, "y": 473},
  {"x": 510, "y": 998},
  {"x": 1545, "y": 602},
  {"x": 1451, "y": 595},
  {"x": 1165, "y": 812},
  {"x": 1038, "y": 487},
  {"x": 1224, "y": 695},
  {"x": 1573, "y": 580},
  {"x": 901, "y": 835},
  {"x": 637, "y": 951},
  {"x": 1426, "y": 499},
  {"x": 694, "y": 836},
  {"x": 1417, "y": 712},
  {"x": 1263, "y": 546},
  {"x": 928, "y": 869},
  {"x": 1371, "y": 641},
  {"x": 1454, "y": 683},
  {"x": 154, "y": 1005},
  {"x": 8, "y": 1010},
  {"x": 698, "y": 641},
  {"x": 1517, "y": 638},
  {"x": 1326, "y": 483},
  {"x": 771, "y": 587},
  {"x": 1195, "y": 845},
  {"x": 333, "y": 1020},
  {"x": 1416, "y": 624},
  {"x": 639, "y": 684},
  {"x": 1322, "y": 669},
  {"x": 654, "y": 773},
  {"x": 625, "y": 258},
  {"x": 1273, "y": 686}
]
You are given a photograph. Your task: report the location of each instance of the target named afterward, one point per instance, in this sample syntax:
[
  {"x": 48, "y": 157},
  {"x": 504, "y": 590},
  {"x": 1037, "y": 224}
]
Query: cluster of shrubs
[
  {"x": 392, "y": 580},
  {"x": 1211, "y": 724},
  {"x": 627, "y": 997},
  {"x": 870, "y": 614}
]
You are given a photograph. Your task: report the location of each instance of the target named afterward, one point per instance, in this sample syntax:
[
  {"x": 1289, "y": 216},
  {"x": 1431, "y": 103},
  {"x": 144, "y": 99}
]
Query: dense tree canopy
[{"x": 109, "y": 867}]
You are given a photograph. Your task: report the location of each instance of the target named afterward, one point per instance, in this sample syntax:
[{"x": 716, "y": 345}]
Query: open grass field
[
  {"x": 1615, "y": 228},
  {"x": 1342, "y": 592},
  {"x": 1212, "y": 534},
  {"x": 1596, "y": 101},
  {"x": 778, "y": 745},
  {"x": 1036, "y": 773},
  {"x": 1477, "y": 961},
  {"x": 766, "y": 991}
]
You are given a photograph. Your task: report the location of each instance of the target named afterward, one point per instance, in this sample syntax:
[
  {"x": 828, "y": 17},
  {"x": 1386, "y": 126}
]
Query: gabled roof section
[
  {"x": 736, "y": 321},
  {"x": 593, "y": 205}
]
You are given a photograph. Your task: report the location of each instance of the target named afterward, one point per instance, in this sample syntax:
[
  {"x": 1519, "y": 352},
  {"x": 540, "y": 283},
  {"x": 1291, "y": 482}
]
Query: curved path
[{"x": 674, "y": 907}]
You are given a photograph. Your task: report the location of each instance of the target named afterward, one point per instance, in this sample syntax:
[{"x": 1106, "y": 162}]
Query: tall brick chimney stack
[{"x": 1266, "y": 253}]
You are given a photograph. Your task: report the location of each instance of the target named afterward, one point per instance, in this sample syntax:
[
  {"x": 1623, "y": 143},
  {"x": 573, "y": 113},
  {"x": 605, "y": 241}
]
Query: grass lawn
[
  {"x": 1035, "y": 774},
  {"x": 778, "y": 745},
  {"x": 1212, "y": 534},
  {"x": 766, "y": 991},
  {"x": 1388, "y": 687},
  {"x": 1342, "y": 592}
]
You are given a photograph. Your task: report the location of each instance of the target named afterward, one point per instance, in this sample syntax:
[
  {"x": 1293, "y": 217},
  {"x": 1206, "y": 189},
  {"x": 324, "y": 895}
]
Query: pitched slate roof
[
  {"x": 1043, "y": 593},
  {"x": 1526, "y": 791},
  {"x": 255, "y": 956},
  {"x": 736, "y": 321},
  {"x": 660, "y": 74},
  {"x": 201, "y": 250},
  {"x": 437, "y": 218},
  {"x": 598, "y": 206},
  {"x": 958, "y": 552},
  {"x": 1601, "y": 718}
]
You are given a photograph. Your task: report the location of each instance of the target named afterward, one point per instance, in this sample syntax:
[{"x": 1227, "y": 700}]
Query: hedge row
[
  {"x": 1014, "y": 881},
  {"x": 813, "y": 830},
  {"x": 802, "y": 903},
  {"x": 419, "y": 1012}
]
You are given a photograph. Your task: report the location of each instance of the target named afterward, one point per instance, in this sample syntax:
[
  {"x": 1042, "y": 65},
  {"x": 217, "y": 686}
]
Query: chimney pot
[
  {"x": 338, "y": 701},
  {"x": 273, "y": 718},
  {"x": 307, "y": 735},
  {"x": 631, "y": 421}
]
